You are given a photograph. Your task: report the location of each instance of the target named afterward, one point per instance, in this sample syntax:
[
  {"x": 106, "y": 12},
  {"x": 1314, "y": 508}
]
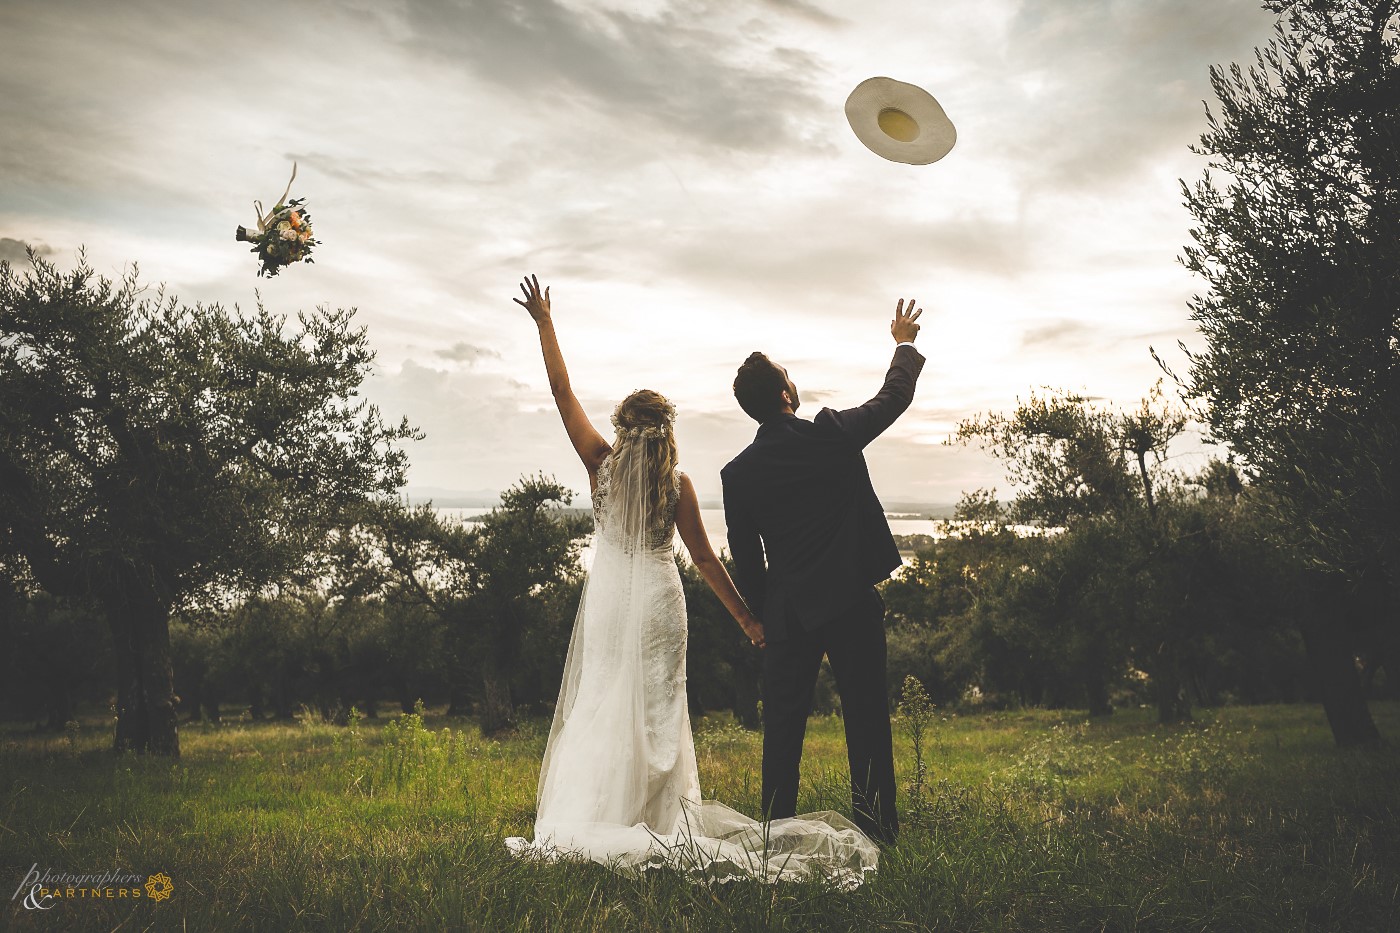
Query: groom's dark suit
[{"x": 801, "y": 495}]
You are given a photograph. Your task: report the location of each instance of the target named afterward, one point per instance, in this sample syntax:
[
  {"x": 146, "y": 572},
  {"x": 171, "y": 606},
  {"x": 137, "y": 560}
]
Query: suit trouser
[{"x": 855, "y": 646}]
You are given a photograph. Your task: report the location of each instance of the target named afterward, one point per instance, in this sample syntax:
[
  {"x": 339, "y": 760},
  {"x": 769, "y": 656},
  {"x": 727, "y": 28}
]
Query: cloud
[
  {"x": 680, "y": 170},
  {"x": 1063, "y": 333},
  {"x": 463, "y": 352},
  {"x": 13, "y": 251},
  {"x": 825, "y": 255},
  {"x": 1116, "y": 83},
  {"x": 480, "y": 428},
  {"x": 680, "y": 69},
  {"x": 806, "y": 11}
]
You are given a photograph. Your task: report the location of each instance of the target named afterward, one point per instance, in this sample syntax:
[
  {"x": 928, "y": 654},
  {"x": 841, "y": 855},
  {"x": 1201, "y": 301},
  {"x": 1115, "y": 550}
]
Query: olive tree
[
  {"x": 155, "y": 454},
  {"x": 1297, "y": 226}
]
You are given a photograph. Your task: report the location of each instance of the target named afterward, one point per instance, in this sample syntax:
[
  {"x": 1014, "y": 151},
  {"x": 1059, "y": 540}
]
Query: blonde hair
[{"x": 649, "y": 418}]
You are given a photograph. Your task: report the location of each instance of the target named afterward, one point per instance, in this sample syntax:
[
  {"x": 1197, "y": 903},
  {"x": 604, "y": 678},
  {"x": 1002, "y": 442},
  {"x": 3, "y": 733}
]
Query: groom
[{"x": 800, "y": 496}]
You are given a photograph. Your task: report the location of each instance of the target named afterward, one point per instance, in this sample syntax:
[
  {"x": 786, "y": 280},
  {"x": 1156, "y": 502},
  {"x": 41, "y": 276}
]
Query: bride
[{"x": 619, "y": 782}]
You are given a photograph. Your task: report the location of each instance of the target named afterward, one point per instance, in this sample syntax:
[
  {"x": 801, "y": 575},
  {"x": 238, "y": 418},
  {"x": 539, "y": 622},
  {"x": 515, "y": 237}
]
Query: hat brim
[{"x": 874, "y": 96}]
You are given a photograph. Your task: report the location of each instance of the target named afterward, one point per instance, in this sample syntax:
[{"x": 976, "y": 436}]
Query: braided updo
[{"x": 648, "y": 417}]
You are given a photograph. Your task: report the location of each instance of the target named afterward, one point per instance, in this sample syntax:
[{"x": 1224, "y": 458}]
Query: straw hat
[{"x": 900, "y": 122}]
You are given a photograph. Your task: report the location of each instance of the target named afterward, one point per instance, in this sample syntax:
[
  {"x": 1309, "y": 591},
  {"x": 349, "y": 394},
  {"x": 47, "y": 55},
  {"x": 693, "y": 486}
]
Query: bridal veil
[{"x": 619, "y": 782}]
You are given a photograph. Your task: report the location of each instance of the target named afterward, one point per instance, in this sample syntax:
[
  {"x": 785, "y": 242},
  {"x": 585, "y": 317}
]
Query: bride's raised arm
[
  {"x": 692, "y": 532},
  {"x": 588, "y": 443}
]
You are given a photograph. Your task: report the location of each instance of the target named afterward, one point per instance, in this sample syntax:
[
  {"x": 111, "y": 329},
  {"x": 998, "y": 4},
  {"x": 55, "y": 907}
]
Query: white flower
[
  {"x": 283, "y": 227},
  {"x": 288, "y": 234}
]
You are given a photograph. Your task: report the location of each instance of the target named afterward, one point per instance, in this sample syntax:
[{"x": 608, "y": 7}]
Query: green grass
[{"x": 1031, "y": 820}]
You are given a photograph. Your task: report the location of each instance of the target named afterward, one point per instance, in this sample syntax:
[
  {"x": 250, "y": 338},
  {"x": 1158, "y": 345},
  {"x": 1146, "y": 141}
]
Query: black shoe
[{"x": 883, "y": 837}]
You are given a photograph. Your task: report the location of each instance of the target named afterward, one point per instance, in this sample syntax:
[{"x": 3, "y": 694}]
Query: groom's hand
[{"x": 905, "y": 327}]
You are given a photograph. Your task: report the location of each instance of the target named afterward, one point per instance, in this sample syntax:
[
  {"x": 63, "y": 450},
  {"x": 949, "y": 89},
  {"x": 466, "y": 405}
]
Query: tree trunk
[
  {"x": 1382, "y": 660},
  {"x": 1096, "y": 690},
  {"x": 283, "y": 691},
  {"x": 192, "y": 699},
  {"x": 1329, "y": 639},
  {"x": 459, "y": 701},
  {"x": 496, "y": 714},
  {"x": 1378, "y": 617},
  {"x": 146, "y": 718},
  {"x": 1146, "y": 483},
  {"x": 1335, "y": 676},
  {"x": 282, "y": 699},
  {"x": 1173, "y": 703},
  {"x": 460, "y": 670},
  {"x": 1207, "y": 691},
  {"x": 1092, "y": 668},
  {"x": 59, "y": 707},
  {"x": 1172, "y": 706}
]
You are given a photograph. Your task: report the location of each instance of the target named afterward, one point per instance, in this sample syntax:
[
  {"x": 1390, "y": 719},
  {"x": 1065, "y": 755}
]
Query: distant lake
[{"x": 715, "y": 528}]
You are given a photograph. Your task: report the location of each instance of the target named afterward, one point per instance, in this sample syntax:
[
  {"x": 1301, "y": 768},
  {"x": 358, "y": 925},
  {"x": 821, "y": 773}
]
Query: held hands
[
  {"x": 905, "y": 325},
  {"x": 754, "y": 630},
  {"x": 536, "y": 302}
]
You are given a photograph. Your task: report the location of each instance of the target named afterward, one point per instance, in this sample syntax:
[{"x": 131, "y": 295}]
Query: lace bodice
[{"x": 662, "y": 528}]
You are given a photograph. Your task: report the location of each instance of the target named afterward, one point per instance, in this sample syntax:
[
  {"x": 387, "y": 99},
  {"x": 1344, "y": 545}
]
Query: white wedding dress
[{"x": 619, "y": 782}]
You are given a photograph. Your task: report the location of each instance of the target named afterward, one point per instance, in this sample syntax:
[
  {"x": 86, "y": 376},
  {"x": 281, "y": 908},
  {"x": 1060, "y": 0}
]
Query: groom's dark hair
[{"x": 759, "y": 387}]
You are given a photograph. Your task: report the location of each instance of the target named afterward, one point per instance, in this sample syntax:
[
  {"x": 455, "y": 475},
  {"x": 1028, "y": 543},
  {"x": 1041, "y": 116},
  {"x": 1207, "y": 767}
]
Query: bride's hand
[
  {"x": 754, "y": 629},
  {"x": 536, "y": 302}
]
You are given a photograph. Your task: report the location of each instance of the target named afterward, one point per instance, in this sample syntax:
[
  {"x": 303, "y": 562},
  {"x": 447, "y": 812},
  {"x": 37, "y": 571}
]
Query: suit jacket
[{"x": 807, "y": 534}]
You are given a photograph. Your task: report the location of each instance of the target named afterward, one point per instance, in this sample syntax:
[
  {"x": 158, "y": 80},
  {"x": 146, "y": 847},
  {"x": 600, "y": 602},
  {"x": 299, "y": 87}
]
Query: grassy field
[{"x": 1034, "y": 820}]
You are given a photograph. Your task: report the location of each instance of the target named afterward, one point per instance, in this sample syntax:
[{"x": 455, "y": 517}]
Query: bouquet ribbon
[{"x": 265, "y": 220}]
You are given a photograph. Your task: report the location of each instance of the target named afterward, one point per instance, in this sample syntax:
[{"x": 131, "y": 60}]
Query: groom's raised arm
[
  {"x": 745, "y": 547},
  {"x": 864, "y": 423}
]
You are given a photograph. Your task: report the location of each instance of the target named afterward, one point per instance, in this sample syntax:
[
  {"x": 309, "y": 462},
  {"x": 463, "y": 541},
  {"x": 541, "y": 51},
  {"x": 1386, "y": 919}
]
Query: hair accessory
[
  {"x": 647, "y": 430},
  {"x": 668, "y": 410}
]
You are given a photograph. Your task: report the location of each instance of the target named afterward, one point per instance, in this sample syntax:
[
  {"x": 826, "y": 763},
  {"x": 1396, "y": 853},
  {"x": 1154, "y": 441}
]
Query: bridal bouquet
[{"x": 284, "y": 233}]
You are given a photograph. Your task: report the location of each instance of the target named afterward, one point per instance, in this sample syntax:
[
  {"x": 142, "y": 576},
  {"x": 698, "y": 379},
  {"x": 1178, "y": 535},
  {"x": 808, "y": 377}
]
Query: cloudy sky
[{"x": 680, "y": 173}]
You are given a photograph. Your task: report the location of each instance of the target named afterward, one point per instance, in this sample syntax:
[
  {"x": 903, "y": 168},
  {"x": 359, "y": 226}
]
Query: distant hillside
[
  {"x": 918, "y": 509},
  {"x": 566, "y": 510},
  {"x": 489, "y": 498},
  {"x": 453, "y": 498}
]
